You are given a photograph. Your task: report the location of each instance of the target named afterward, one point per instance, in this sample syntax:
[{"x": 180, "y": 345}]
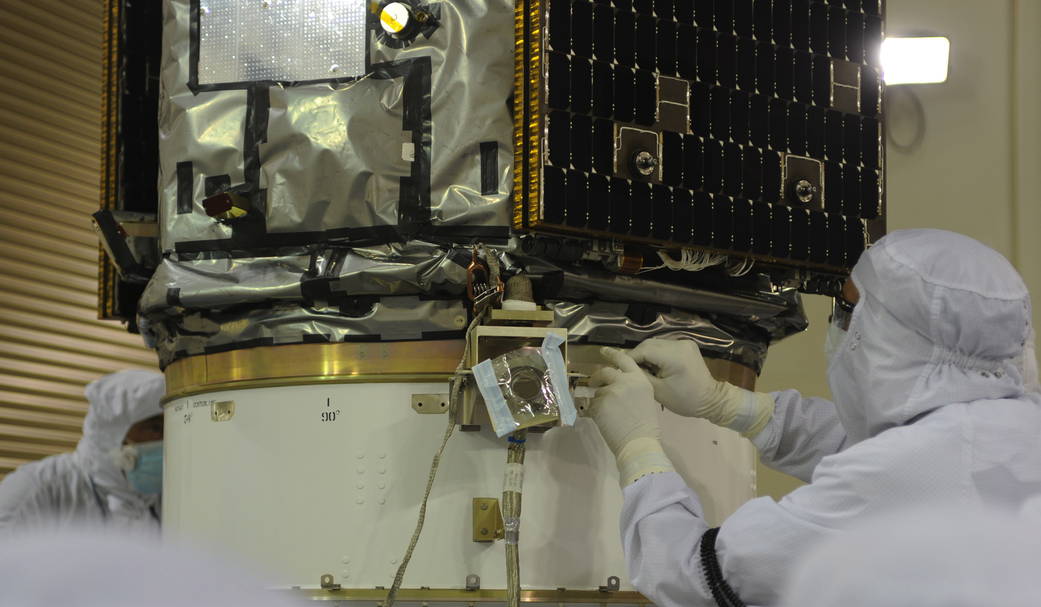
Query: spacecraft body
[{"x": 346, "y": 193}]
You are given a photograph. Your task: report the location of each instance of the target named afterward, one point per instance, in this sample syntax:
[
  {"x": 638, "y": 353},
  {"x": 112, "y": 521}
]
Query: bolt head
[{"x": 645, "y": 163}]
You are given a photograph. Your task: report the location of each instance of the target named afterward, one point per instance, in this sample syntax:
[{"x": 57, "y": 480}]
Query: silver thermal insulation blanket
[{"x": 369, "y": 166}]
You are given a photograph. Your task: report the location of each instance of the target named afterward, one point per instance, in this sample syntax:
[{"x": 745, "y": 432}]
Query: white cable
[{"x": 690, "y": 261}]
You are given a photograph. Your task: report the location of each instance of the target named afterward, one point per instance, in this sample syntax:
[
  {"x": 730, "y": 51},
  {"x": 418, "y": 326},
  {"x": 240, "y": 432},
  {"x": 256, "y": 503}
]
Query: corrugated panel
[{"x": 51, "y": 343}]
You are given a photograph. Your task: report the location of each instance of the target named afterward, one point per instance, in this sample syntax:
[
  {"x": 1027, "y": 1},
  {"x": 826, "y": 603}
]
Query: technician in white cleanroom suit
[
  {"x": 925, "y": 558},
  {"x": 936, "y": 400},
  {"x": 114, "y": 477}
]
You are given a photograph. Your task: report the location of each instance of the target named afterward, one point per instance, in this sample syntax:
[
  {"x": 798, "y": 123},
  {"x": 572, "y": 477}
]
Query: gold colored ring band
[
  {"x": 299, "y": 364},
  {"x": 429, "y": 595}
]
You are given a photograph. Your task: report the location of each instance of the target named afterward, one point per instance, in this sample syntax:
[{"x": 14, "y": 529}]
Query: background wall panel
[{"x": 51, "y": 343}]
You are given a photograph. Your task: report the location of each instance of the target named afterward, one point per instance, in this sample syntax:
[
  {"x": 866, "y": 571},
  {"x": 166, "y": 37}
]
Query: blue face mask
[{"x": 147, "y": 474}]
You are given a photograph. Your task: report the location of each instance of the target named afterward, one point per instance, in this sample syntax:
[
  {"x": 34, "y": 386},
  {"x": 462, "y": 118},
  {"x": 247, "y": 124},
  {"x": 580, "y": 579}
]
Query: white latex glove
[
  {"x": 627, "y": 415},
  {"x": 683, "y": 384}
]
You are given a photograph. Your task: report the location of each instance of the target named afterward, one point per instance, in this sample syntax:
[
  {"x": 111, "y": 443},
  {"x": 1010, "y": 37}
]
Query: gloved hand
[
  {"x": 683, "y": 384},
  {"x": 624, "y": 410}
]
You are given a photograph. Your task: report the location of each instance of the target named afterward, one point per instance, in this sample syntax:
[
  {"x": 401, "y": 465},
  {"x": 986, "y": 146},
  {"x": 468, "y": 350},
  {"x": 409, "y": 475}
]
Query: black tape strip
[
  {"x": 414, "y": 201},
  {"x": 368, "y": 337},
  {"x": 489, "y": 167},
  {"x": 316, "y": 338},
  {"x": 354, "y": 237},
  {"x": 258, "y": 106},
  {"x": 173, "y": 297},
  {"x": 185, "y": 179},
  {"x": 443, "y": 334},
  {"x": 193, "y": 46},
  {"x": 217, "y": 184},
  {"x": 240, "y": 345}
]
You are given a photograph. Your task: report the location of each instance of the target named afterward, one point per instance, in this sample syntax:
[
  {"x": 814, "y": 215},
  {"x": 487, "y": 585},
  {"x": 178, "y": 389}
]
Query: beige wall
[
  {"x": 51, "y": 342},
  {"x": 977, "y": 170}
]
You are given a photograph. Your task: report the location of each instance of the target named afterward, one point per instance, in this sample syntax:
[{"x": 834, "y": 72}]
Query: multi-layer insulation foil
[{"x": 322, "y": 180}]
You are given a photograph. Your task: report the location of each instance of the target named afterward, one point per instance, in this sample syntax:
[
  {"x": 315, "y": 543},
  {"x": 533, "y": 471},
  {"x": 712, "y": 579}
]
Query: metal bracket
[
  {"x": 487, "y": 520},
  {"x": 613, "y": 584},
  {"x": 222, "y": 411},
  {"x": 473, "y": 582},
  {"x": 328, "y": 583},
  {"x": 430, "y": 403}
]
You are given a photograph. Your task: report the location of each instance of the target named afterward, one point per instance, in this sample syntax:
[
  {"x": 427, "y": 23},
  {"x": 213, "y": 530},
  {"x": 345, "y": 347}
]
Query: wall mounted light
[{"x": 918, "y": 60}]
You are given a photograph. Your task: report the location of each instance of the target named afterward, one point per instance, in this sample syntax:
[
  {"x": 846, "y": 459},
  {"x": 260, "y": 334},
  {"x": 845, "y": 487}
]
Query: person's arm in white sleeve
[
  {"x": 792, "y": 433},
  {"x": 23, "y": 501},
  {"x": 801, "y": 431},
  {"x": 757, "y": 546}
]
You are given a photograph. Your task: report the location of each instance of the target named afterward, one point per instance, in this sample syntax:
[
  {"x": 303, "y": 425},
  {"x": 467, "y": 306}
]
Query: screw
[
  {"x": 805, "y": 191},
  {"x": 484, "y": 532},
  {"x": 645, "y": 163},
  {"x": 484, "y": 506}
]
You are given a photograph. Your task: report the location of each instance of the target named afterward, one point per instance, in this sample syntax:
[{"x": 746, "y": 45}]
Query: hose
[{"x": 511, "y": 510}]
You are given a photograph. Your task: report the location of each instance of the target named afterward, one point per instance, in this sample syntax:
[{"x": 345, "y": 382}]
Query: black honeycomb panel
[
  {"x": 603, "y": 147},
  {"x": 581, "y": 142},
  {"x": 722, "y": 222},
  {"x": 599, "y": 202},
  {"x": 683, "y": 11},
  {"x": 703, "y": 13},
  {"x": 746, "y": 64},
  {"x": 701, "y": 219},
  {"x": 744, "y": 18},
  {"x": 646, "y": 44},
  {"x": 759, "y": 81},
  {"x": 603, "y": 32},
  {"x": 661, "y": 213},
  {"x": 705, "y": 47},
  {"x": 682, "y": 209},
  {"x": 664, "y": 10},
  {"x": 693, "y": 163},
  {"x": 726, "y": 61},
  {"x": 582, "y": 28},
  {"x": 558, "y": 134},
  {"x": 576, "y": 209},
  {"x": 646, "y": 97},
  {"x": 739, "y": 119},
  {"x": 555, "y": 194},
  {"x": 640, "y": 209},
  {"x": 621, "y": 209},
  {"x": 603, "y": 89},
  {"x": 743, "y": 224},
  {"x": 581, "y": 85},
  {"x": 700, "y": 109},
  {"x": 559, "y": 18},
  {"x": 672, "y": 159},
  {"x": 665, "y": 50},
  {"x": 800, "y": 20},
  {"x": 761, "y": 228},
  {"x": 850, "y": 190}
]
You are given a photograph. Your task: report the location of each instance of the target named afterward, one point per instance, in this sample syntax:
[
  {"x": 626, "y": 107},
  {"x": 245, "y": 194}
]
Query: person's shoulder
[
  {"x": 31, "y": 481},
  {"x": 923, "y": 456}
]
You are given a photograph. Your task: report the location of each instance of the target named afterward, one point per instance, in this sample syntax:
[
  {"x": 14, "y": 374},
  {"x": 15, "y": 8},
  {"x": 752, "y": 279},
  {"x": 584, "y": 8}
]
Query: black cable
[{"x": 721, "y": 591}]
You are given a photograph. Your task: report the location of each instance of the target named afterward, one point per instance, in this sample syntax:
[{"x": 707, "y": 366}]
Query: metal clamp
[
  {"x": 473, "y": 582},
  {"x": 328, "y": 583},
  {"x": 487, "y": 520},
  {"x": 613, "y": 584}
]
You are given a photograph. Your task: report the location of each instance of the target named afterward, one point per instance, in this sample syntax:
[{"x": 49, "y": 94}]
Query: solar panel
[{"x": 747, "y": 127}]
